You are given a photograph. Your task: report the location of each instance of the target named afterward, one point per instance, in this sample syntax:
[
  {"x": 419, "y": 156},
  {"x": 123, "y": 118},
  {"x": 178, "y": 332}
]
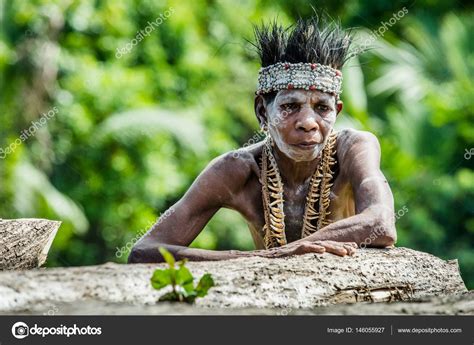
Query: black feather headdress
[{"x": 314, "y": 40}]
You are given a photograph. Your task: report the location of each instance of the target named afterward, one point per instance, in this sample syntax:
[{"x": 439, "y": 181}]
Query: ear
[
  {"x": 260, "y": 110},
  {"x": 339, "y": 105}
]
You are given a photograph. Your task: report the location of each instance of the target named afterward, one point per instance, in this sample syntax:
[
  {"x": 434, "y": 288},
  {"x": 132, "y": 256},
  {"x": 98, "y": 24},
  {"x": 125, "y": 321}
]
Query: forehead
[{"x": 299, "y": 95}]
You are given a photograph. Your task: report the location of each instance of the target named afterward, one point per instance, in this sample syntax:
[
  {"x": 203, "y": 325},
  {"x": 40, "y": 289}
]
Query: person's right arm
[{"x": 217, "y": 186}]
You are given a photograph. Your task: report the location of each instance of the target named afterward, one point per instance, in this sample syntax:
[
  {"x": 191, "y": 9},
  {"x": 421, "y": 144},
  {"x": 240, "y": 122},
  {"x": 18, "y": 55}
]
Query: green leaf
[
  {"x": 167, "y": 256},
  {"x": 190, "y": 292},
  {"x": 204, "y": 285},
  {"x": 183, "y": 276},
  {"x": 189, "y": 288},
  {"x": 161, "y": 278},
  {"x": 145, "y": 122},
  {"x": 190, "y": 298},
  {"x": 29, "y": 182}
]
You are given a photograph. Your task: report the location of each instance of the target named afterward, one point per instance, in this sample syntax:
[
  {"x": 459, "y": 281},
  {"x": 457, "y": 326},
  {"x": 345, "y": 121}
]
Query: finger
[
  {"x": 336, "y": 249},
  {"x": 350, "y": 249},
  {"x": 317, "y": 248},
  {"x": 308, "y": 247},
  {"x": 353, "y": 244}
]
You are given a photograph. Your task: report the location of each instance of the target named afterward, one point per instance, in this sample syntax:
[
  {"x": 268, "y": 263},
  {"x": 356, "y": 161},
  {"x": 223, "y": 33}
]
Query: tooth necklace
[{"x": 317, "y": 200}]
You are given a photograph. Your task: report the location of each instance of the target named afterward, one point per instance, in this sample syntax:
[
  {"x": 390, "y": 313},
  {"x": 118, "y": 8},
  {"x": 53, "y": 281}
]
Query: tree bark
[
  {"x": 24, "y": 243},
  {"x": 456, "y": 304},
  {"x": 294, "y": 283}
]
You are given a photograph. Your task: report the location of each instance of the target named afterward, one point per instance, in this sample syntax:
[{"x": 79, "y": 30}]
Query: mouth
[
  {"x": 310, "y": 144},
  {"x": 307, "y": 145}
]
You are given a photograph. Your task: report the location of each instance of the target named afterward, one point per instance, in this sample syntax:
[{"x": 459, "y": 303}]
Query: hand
[{"x": 305, "y": 247}]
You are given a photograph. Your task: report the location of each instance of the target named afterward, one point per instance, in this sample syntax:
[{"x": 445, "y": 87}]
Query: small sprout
[{"x": 181, "y": 281}]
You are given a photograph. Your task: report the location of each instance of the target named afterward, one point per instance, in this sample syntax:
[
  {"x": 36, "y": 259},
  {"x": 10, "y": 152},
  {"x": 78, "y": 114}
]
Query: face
[{"x": 300, "y": 121}]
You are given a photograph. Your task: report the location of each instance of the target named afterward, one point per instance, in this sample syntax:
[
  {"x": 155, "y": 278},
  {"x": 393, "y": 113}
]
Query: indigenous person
[{"x": 305, "y": 188}]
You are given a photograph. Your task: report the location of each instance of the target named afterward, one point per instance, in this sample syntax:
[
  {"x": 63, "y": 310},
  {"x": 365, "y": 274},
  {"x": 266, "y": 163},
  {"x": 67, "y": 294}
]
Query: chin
[{"x": 300, "y": 155}]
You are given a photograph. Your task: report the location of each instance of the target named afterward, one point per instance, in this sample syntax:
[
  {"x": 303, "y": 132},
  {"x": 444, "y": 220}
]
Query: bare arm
[
  {"x": 374, "y": 222},
  {"x": 214, "y": 188}
]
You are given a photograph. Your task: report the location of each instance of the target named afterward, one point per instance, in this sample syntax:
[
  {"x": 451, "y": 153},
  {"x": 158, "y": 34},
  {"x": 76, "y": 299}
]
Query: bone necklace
[{"x": 315, "y": 216}]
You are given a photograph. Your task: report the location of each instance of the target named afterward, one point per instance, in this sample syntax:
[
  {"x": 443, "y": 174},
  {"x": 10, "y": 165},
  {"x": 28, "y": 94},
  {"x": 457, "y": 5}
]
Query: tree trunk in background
[
  {"x": 24, "y": 243},
  {"x": 306, "y": 281}
]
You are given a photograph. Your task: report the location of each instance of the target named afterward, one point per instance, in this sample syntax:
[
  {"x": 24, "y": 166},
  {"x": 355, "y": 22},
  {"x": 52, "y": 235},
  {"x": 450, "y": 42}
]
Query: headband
[{"x": 307, "y": 76}]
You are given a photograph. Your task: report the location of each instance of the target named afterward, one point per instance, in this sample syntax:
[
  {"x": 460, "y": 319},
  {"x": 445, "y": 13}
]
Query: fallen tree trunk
[
  {"x": 298, "y": 282},
  {"x": 24, "y": 243},
  {"x": 456, "y": 304}
]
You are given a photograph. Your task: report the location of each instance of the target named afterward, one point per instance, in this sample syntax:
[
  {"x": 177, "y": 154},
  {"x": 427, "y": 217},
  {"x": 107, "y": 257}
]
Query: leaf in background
[
  {"x": 184, "y": 125},
  {"x": 355, "y": 97},
  {"x": 161, "y": 278},
  {"x": 30, "y": 182},
  {"x": 455, "y": 38},
  {"x": 401, "y": 72},
  {"x": 204, "y": 285}
]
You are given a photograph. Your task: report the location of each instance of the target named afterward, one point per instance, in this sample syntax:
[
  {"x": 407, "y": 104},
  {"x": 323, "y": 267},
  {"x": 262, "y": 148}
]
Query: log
[
  {"x": 24, "y": 243},
  {"x": 295, "y": 283},
  {"x": 455, "y": 304}
]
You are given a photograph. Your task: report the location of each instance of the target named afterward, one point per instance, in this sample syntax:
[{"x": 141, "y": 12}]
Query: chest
[
  {"x": 294, "y": 207},
  {"x": 250, "y": 206}
]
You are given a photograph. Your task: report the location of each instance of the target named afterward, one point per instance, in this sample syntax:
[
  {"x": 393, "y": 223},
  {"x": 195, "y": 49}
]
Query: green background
[{"x": 132, "y": 132}]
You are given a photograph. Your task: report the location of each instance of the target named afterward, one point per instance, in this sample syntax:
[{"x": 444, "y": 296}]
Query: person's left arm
[{"x": 374, "y": 222}]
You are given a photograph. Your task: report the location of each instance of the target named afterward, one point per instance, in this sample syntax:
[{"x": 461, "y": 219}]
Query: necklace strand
[{"x": 273, "y": 200}]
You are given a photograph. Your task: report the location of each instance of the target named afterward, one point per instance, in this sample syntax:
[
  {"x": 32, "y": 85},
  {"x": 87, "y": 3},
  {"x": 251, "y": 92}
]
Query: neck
[{"x": 294, "y": 173}]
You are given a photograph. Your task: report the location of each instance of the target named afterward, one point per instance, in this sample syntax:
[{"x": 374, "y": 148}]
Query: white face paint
[
  {"x": 297, "y": 154},
  {"x": 281, "y": 123}
]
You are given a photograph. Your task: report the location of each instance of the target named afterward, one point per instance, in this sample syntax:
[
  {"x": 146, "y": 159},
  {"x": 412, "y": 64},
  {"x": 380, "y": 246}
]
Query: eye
[
  {"x": 323, "y": 108},
  {"x": 289, "y": 107}
]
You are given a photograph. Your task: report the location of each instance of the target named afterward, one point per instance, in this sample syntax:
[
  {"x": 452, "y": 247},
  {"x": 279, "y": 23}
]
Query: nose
[{"x": 307, "y": 121}]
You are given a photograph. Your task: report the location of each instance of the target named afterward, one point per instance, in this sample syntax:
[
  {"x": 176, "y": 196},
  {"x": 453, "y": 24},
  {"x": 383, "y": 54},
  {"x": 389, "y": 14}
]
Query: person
[{"x": 305, "y": 188}]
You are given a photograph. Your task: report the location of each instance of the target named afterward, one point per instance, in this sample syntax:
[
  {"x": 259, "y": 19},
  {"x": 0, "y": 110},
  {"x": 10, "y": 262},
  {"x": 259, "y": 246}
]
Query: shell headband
[{"x": 307, "y": 76}]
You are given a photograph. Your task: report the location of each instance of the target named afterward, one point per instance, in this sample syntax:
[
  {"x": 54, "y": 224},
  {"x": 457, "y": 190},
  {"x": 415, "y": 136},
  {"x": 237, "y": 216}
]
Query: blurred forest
[{"x": 130, "y": 126}]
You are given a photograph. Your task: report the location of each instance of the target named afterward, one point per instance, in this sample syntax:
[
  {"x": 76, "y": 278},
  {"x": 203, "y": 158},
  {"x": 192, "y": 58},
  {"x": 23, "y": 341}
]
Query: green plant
[{"x": 181, "y": 281}]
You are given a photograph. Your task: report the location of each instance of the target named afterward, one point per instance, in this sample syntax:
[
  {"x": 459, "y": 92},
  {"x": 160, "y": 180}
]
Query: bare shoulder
[
  {"x": 236, "y": 167},
  {"x": 357, "y": 150},
  {"x": 349, "y": 137},
  {"x": 352, "y": 141}
]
